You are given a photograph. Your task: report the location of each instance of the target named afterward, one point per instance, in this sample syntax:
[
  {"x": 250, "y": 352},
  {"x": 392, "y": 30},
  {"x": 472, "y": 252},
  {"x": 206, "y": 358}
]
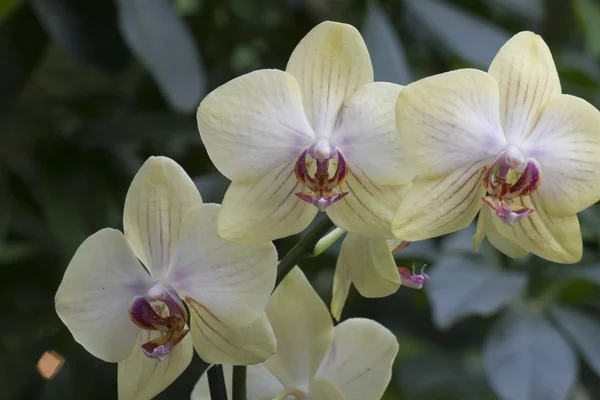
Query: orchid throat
[
  {"x": 510, "y": 177},
  {"x": 321, "y": 168}
]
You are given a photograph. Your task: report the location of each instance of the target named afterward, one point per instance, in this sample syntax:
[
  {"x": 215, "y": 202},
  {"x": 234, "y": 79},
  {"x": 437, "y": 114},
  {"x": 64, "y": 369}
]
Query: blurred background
[{"x": 90, "y": 89}]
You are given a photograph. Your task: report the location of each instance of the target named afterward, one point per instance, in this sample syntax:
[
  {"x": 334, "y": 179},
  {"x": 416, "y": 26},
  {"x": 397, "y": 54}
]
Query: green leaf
[
  {"x": 525, "y": 357},
  {"x": 161, "y": 39},
  {"x": 584, "y": 332},
  {"x": 466, "y": 36},
  {"x": 459, "y": 287},
  {"x": 588, "y": 16},
  {"x": 385, "y": 48},
  {"x": 6, "y": 7},
  {"x": 5, "y": 207}
]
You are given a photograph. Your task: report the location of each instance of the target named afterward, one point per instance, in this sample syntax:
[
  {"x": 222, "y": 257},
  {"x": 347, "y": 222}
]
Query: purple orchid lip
[
  {"x": 321, "y": 182},
  {"x": 412, "y": 280},
  {"x": 508, "y": 212}
]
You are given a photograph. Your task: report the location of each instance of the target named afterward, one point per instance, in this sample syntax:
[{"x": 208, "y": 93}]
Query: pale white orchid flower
[
  {"x": 469, "y": 132},
  {"x": 318, "y": 136},
  {"x": 314, "y": 359},
  {"x": 122, "y": 296}
]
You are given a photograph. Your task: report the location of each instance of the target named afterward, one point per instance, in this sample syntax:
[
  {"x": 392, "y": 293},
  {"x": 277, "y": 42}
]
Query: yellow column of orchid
[{"x": 506, "y": 144}]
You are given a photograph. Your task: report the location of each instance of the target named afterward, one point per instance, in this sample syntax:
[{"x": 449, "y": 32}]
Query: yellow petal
[
  {"x": 218, "y": 343},
  {"x": 557, "y": 239},
  {"x": 437, "y": 207},
  {"x": 360, "y": 360},
  {"x": 330, "y": 63},
  {"x": 157, "y": 199},
  {"x": 368, "y": 208},
  {"x": 253, "y": 124},
  {"x": 265, "y": 210},
  {"x": 324, "y": 389},
  {"x": 340, "y": 288},
  {"x": 303, "y": 329},
  {"x": 140, "y": 377},
  {"x": 486, "y": 228},
  {"x": 566, "y": 143},
  {"x": 449, "y": 121},
  {"x": 527, "y": 78},
  {"x": 366, "y": 134}
]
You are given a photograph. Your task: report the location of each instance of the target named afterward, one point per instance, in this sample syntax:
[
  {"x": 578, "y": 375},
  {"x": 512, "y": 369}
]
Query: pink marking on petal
[
  {"x": 508, "y": 212},
  {"x": 412, "y": 280}
]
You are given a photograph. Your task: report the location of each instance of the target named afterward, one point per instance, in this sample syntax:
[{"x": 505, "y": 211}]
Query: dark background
[{"x": 90, "y": 89}]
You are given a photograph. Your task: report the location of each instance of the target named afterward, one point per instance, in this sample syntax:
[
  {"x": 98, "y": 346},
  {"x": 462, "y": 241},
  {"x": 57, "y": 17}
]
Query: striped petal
[
  {"x": 232, "y": 281},
  {"x": 360, "y": 359},
  {"x": 267, "y": 209},
  {"x": 486, "y": 228},
  {"x": 158, "y": 197},
  {"x": 527, "y": 77},
  {"x": 557, "y": 239},
  {"x": 218, "y": 343},
  {"x": 366, "y": 134},
  {"x": 141, "y": 377},
  {"x": 368, "y": 208},
  {"x": 330, "y": 63},
  {"x": 566, "y": 143},
  {"x": 253, "y": 124},
  {"x": 436, "y": 207},
  {"x": 449, "y": 121}
]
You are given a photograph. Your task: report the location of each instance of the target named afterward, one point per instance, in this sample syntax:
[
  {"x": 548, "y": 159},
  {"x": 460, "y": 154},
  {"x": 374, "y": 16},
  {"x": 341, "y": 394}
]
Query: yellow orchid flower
[
  {"x": 123, "y": 295},
  {"x": 314, "y": 359},
  {"x": 469, "y": 133},
  {"x": 318, "y": 136}
]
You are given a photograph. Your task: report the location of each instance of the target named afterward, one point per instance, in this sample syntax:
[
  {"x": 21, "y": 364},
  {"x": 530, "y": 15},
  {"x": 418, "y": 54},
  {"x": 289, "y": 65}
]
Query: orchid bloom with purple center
[
  {"x": 319, "y": 136},
  {"x": 316, "y": 360},
  {"x": 124, "y": 296},
  {"x": 506, "y": 144}
]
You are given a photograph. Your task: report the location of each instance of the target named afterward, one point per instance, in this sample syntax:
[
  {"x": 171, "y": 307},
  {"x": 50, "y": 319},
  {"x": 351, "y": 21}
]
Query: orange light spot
[{"x": 50, "y": 364}]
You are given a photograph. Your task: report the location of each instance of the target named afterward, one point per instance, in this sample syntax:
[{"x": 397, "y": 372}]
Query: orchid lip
[
  {"x": 412, "y": 280},
  {"x": 509, "y": 213}
]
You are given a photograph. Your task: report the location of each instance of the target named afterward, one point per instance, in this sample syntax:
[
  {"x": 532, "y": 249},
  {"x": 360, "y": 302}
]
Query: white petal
[
  {"x": 142, "y": 377},
  {"x": 527, "y": 78},
  {"x": 437, "y": 207},
  {"x": 368, "y": 208},
  {"x": 487, "y": 228},
  {"x": 323, "y": 389},
  {"x": 94, "y": 296},
  {"x": 340, "y": 289},
  {"x": 360, "y": 360},
  {"x": 265, "y": 210},
  {"x": 367, "y": 134},
  {"x": 201, "y": 390},
  {"x": 253, "y": 124},
  {"x": 160, "y": 193},
  {"x": 557, "y": 239},
  {"x": 303, "y": 329},
  {"x": 218, "y": 343},
  {"x": 566, "y": 143},
  {"x": 330, "y": 63},
  {"x": 449, "y": 121},
  {"x": 371, "y": 265},
  {"x": 232, "y": 281},
  {"x": 261, "y": 384}
]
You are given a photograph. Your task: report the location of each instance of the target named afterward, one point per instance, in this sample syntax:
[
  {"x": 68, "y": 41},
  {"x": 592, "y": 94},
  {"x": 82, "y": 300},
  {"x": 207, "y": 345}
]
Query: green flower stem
[
  {"x": 239, "y": 383},
  {"x": 305, "y": 248},
  {"x": 216, "y": 383}
]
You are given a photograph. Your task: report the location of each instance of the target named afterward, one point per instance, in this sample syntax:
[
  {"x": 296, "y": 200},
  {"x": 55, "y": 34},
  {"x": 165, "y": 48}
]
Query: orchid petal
[
  {"x": 261, "y": 384},
  {"x": 369, "y": 207},
  {"x": 232, "y": 281},
  {"x": 449, "y": 121},
  {"x": 367, "y": 136},
  {"x": 527, "y": 77},
  {"x": 557, "y": 239},
  {"x": 323, "y": 389},
  {"x": 360, "y": 360},
  {"x": 141, "y": 377},
  {"x": 96, "y": 292},
  {"x": 218, "y": 343},
  {"x": 486, "y": 228},
  {"x": 159, "y": 194},
  {"x": 201, "y": 390},
  {"x": 253, "y": 124},
  {"x": 340, "y": 288},
  {"x": 303, "y": 329},
  {"x": 437, "y": 207},
  {"x": 566, "y": 143},
  {"x": 330, "y": 63}
]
